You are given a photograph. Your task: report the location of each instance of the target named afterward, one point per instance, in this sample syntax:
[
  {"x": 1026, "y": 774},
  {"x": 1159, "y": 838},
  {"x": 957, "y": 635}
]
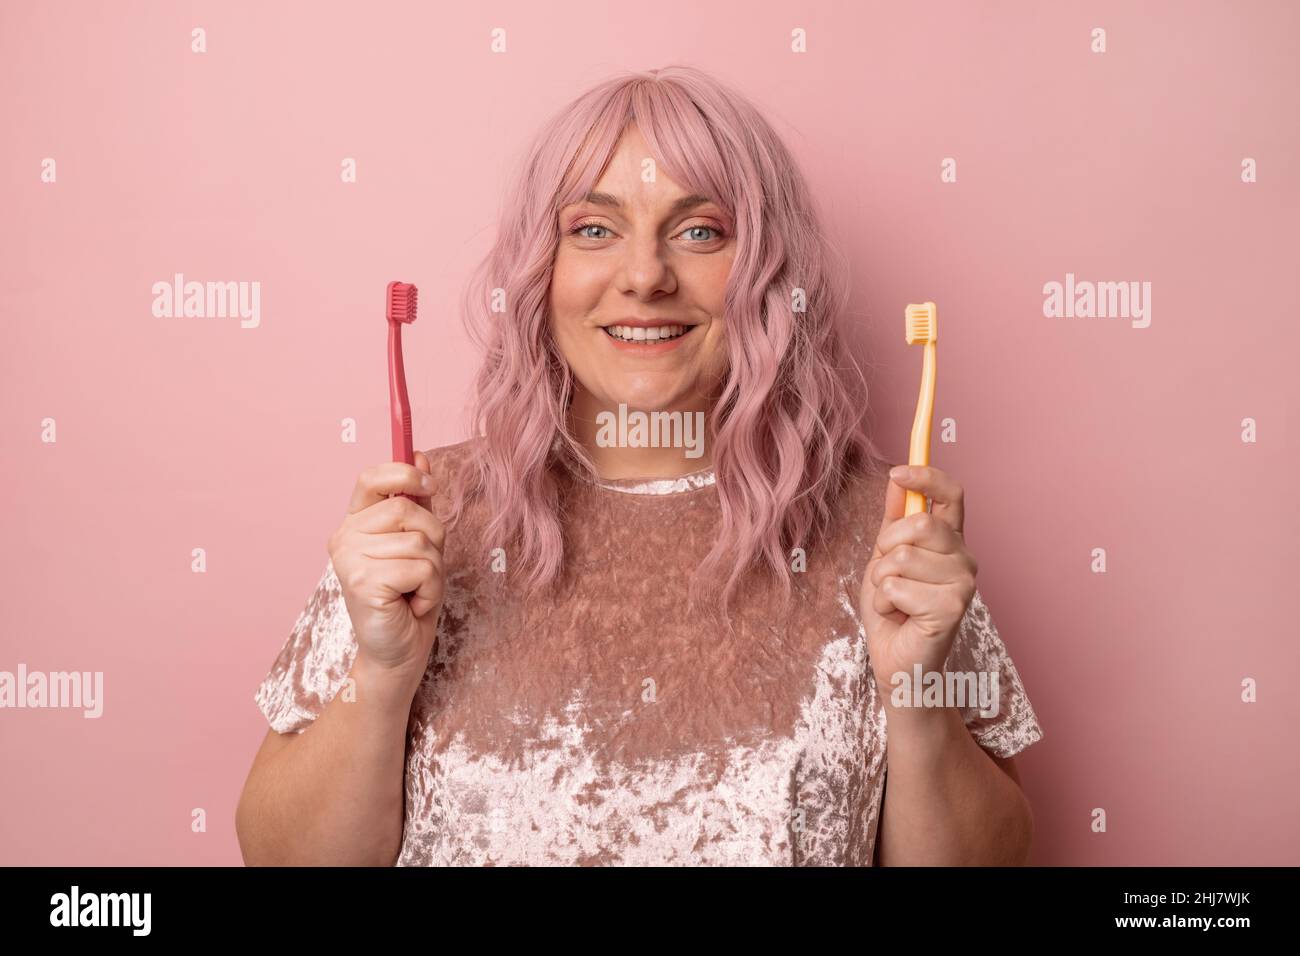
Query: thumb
[{"x": 895, "y": 500}]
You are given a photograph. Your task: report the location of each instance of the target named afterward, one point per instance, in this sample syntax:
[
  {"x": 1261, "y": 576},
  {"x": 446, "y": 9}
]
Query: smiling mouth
[{"x": 635, "y": 334}]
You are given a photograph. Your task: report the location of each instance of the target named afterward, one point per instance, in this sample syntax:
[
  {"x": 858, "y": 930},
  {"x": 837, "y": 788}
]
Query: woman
[{"x": 583, "y": 643}]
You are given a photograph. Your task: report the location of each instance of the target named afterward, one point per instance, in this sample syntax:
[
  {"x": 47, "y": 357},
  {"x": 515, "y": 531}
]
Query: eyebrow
[{"x": 608, "y": 199}]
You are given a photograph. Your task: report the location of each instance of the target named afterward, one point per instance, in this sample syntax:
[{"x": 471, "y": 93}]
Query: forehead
[{"x": 632, "y": 179}]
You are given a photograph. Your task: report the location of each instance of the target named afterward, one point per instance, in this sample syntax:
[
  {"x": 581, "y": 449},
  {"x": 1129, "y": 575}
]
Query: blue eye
[
  {"x": 578, "y": 230},
  {"x": 705, "y": 228},
  {"x": 586, "y": 225}
]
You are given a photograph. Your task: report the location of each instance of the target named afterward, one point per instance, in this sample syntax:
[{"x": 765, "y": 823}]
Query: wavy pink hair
[{"x": 787, "y": 426}]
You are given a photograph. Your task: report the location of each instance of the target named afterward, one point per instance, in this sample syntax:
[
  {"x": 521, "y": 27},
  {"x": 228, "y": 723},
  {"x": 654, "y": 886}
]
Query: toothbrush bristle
[
  {"x": 402, "y": 297},
  {"x": 921, "y": 323}
]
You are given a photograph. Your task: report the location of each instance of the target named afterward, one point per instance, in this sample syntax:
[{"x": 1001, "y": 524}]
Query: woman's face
[{"x": 645, "y": 256}]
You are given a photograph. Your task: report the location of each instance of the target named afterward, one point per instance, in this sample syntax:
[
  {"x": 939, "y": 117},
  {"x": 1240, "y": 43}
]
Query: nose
[{"x": 645, "y": 270}]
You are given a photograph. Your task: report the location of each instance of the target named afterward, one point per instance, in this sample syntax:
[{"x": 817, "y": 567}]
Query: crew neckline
[{"x": 698, "y": 480}]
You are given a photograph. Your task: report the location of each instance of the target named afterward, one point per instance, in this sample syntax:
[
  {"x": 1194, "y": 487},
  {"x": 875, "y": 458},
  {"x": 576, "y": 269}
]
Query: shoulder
[
  {"x": 447, "y": 462},
  {"x": 862, "y": 494},
  {"x": 454, "y": 470},
  {"x": 855, "y": 514}
]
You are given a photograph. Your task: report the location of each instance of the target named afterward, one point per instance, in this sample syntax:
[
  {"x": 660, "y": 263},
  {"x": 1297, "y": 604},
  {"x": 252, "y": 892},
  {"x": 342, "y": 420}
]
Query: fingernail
[
  {"x": 427, "y": 482},
  {"x": 900, "y": 471}
]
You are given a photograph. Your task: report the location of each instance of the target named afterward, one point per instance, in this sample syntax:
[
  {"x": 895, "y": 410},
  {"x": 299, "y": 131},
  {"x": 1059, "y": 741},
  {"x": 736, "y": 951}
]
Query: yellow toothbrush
[{"x": 922, "y": 329}]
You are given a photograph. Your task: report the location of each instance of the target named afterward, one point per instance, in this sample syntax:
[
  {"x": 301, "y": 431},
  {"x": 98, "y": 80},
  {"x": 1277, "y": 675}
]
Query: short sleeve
[
  {"x": 314, "y": 662},
  {"x": 1006, "y": 724}
]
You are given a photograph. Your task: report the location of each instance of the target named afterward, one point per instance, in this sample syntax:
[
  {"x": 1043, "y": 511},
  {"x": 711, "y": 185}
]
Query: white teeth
[{"x": 638, "y": 333}]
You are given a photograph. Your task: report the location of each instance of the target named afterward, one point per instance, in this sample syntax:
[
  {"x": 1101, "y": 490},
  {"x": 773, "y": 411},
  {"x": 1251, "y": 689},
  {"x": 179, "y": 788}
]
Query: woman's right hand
[{"x": 387, "y": 548}]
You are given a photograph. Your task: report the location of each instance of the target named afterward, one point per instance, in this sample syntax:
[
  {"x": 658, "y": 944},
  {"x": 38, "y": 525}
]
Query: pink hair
[{"x": 787, "y": 426}]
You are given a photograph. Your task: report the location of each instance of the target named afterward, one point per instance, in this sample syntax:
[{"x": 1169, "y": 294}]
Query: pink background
[{"x": 1073, "y": 433}]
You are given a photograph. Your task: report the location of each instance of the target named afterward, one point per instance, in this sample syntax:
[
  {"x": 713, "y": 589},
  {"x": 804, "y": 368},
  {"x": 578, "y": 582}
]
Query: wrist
[
  {"x": 919, "y": 729},
  {"x": 914, "y": 697},
  {"x": 390, "y": 688}
]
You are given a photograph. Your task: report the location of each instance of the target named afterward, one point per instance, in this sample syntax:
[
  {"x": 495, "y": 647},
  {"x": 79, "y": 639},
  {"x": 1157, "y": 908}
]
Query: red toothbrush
[{"x": 400, "y": 308}]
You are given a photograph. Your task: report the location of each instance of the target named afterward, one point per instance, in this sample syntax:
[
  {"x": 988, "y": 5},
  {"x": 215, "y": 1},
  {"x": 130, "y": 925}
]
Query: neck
[{"x": 634, "y": 444}]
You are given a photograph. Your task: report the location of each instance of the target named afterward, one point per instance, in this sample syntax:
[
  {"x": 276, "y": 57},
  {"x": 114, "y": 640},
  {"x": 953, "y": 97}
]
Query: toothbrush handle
[
  {"x": 919, "y": 452},
  {"x": 398, "y": 401}
]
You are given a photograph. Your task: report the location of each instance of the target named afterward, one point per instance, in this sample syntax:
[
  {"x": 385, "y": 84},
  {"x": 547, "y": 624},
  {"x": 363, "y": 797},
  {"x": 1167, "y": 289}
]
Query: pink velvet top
[{"x": 607, "y": 726}]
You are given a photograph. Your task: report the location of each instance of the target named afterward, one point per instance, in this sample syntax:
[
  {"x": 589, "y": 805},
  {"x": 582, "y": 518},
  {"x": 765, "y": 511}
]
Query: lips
[
  {"x": 647, "y": 338},
  {"x": 646, "y": 333}
]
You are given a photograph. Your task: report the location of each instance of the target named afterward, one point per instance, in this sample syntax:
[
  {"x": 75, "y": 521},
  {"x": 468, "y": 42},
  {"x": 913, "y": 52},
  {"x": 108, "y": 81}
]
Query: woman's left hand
[{"x": 920, "y": 578}]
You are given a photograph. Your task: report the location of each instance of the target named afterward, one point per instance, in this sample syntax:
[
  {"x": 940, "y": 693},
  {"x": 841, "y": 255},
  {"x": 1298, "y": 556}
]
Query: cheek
[
  {"x": 576, "y": 287},
  {"x": 570, "y": 300},
  {"x": 716, "y": 306},
  {"x": 715, "y": 359},
  {"x": 709, "y": 282}
]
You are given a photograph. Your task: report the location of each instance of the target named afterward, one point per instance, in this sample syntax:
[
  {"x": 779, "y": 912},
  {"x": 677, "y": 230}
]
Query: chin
[{"x": 642, "y": 400}]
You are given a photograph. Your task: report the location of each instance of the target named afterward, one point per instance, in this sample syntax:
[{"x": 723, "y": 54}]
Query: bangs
[{"x": 677, "y": 134}]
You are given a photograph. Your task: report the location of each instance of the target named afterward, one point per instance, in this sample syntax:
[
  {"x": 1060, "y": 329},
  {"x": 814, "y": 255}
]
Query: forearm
[
  {"x": 334, "y": 795},
  {"x": 946, "y": 802}
]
